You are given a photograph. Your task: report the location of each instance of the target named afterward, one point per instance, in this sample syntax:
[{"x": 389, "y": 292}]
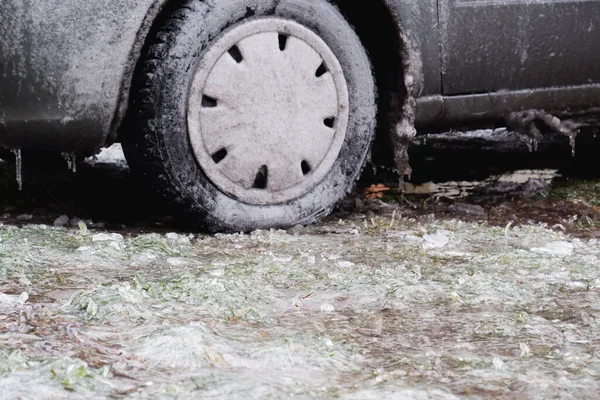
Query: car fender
[
  {"x": 64, "y": 69},
  {"x": 417, "y": 22}
]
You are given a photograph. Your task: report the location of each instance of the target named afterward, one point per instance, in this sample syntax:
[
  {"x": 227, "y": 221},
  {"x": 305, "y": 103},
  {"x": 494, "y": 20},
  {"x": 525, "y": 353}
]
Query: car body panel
[
  {"x": 416, "y": 20},
  {"x": 66, "y": 67},
  {"x": 502, "y": 45},
  {"x": 447, "y": 112},
  {"x": 62, "y": 69}
]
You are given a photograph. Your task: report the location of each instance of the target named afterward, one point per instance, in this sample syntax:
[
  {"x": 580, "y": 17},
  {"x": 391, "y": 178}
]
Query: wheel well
[{"x": 380, "y": 34}]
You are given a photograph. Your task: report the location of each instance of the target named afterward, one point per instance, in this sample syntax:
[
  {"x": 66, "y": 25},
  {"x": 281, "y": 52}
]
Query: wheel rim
[{"x": 268, "y": 111}]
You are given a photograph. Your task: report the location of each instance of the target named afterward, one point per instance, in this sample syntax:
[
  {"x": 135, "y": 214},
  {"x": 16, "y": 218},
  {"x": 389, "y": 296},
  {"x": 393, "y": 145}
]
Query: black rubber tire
[{"x": 157, "y": 142}]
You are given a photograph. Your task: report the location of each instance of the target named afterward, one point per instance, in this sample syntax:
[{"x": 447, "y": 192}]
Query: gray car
[{"x": 249, "y": 114}]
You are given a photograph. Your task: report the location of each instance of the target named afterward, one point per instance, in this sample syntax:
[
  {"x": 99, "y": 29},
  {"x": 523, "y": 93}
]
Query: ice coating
[
  {"x": 357, "y": 308},
  {"x": 66, "y": 66},
  {"x": 71, "y": 160},
  {"x": 18, "y": 167}
]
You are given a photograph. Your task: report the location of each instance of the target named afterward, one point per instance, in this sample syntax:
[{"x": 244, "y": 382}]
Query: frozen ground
[
  {"x": 380, "y": 304},
  {"x": 360, "y": 308}
]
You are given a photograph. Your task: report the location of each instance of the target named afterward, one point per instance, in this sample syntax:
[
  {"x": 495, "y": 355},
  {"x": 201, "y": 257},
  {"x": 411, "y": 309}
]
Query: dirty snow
[
  {"x": 376, "y": 309},
  {"x": 112, "y": 155},
  {"x": 527, "y": 182}
]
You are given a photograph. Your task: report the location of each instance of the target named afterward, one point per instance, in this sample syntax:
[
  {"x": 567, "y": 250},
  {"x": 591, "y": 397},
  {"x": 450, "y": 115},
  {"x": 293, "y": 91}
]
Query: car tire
[{"x": 190, "y": 51}]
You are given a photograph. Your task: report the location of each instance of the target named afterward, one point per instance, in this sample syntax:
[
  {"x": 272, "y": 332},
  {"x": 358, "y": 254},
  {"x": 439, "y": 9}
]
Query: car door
[{"x": 508, "y": 45}]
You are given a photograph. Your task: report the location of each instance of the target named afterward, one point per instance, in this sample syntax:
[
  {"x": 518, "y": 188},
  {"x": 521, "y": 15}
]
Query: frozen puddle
[{"x": 395, "y": 310}]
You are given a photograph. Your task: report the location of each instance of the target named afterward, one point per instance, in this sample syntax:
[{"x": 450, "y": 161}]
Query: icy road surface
[{"x": 361, "y": 309}]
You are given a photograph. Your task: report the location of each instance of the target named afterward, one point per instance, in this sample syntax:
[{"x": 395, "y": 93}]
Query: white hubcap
[{"x": 268, "y": 112}]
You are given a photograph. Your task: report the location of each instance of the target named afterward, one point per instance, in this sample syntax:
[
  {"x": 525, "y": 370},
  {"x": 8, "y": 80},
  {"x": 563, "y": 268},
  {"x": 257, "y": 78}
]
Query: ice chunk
[
  {"x": 106, "y": 237},
  {"x": 172, "y": 236},
  {"x": 435, "y": 241},
  {"x": 177, "y": 261},
  {"x": 345, "y": 264},
  {"x": 13, "y": 301},
  {"x": 110, "y": 155},
  {"x": 498, "y": 363},
  {"x": 327, "y": 308},
  {"x": 558, "y": 248},
  {"x": 525, "y": 350}
]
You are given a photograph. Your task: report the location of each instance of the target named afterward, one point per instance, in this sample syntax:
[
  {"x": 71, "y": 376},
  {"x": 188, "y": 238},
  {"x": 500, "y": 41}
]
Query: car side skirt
[{"x": 480, "y": 108}]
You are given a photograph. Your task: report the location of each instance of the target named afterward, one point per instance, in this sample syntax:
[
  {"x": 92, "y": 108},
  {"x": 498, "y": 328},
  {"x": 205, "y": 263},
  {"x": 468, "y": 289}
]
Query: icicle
[
  {"x": 402, "y": 182},
  {"x": 572, "y": 139},
  {"x": 536, "y": 144},
  {"x": 18, "y": 165},
  {"x": 530, "y": 145},
  {"x": 71, "y": 160},
  {"x": 92, "y": 160}
]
